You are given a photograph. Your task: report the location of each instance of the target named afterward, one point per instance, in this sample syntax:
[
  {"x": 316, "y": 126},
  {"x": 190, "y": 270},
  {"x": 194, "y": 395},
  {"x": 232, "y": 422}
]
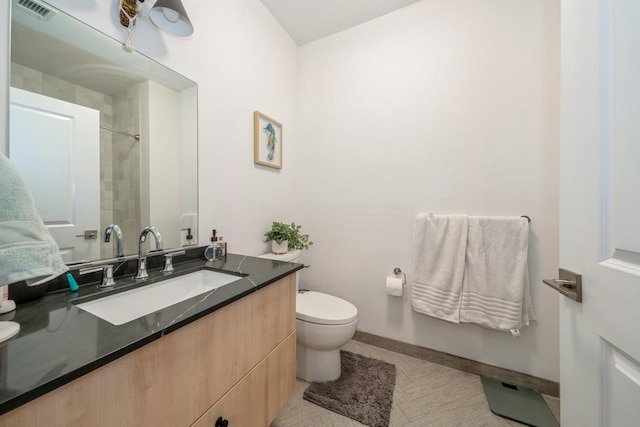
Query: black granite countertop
[{"x": 59, "y": 342}]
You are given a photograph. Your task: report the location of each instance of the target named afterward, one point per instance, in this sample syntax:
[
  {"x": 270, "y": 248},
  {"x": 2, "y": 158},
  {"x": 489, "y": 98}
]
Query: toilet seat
[{"x": 316, "y": 307}]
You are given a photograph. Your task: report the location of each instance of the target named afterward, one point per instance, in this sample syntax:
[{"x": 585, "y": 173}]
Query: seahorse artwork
[{"x": 271, "y": 140}]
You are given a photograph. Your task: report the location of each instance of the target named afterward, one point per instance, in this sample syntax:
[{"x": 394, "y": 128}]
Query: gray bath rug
[{"x": 364, "y": 391}]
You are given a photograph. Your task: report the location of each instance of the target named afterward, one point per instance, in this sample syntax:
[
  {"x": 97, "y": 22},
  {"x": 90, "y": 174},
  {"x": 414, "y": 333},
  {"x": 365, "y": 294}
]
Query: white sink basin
[{"x": 130, "y": 305}]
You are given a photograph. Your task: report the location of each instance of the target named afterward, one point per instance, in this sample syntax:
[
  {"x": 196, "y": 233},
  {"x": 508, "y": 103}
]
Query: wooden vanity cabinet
[{"x": 237, "y": 363}]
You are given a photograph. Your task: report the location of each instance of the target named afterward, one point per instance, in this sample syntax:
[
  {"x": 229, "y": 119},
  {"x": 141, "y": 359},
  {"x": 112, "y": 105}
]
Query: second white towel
[{"x": 495, "y": 290}]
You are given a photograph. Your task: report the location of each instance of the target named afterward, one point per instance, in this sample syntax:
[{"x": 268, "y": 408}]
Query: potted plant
[{"x": 284, "y": 237}]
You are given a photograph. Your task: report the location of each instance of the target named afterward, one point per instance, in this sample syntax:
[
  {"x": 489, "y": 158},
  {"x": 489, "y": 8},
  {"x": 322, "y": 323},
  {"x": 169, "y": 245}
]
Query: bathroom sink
[{"x": 130, "y": 305}]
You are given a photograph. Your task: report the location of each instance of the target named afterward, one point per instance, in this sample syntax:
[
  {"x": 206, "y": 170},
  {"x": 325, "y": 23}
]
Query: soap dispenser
[
  {"x": 188, "y": 237},
  {"x": 213, "y": 252}
]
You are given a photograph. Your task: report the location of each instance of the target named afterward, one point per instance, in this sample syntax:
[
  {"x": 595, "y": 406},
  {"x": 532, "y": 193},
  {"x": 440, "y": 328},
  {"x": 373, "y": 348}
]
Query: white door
[
  {"x": 600, "y": 212},
  {"x": 56, "y": 146}
]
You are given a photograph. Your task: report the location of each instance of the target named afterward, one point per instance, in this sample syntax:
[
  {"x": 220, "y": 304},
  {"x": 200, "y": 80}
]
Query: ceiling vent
[{"x": 37, "y": 9}]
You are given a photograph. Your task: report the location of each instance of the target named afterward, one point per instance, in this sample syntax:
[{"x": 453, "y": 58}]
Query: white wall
[
  {"x": 189, "y": 158},
  {"x": 445, "y": 106},
  {"x": 165, "y": 128}
]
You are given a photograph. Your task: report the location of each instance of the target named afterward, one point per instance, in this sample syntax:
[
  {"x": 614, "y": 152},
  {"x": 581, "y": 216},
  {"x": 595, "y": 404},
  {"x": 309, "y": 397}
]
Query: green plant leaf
[{"x": 280, "y": 232}]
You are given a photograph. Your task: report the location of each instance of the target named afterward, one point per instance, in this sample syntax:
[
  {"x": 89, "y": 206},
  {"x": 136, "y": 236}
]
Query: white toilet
[{"x": 324, "y": 323}]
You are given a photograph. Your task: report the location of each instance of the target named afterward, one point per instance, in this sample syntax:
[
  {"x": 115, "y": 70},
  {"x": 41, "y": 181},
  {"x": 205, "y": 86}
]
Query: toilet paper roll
[{"x": 394, "y": 286}]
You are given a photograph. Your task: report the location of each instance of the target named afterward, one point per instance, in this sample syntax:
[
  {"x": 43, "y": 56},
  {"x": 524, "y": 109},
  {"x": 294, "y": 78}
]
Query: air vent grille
[{"x": 37, "y": 9}]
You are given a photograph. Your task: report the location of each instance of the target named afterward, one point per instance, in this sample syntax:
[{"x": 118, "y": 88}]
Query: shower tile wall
[
  {"x": 126, "y": 167},
  {"x": 119, "y": 155}
]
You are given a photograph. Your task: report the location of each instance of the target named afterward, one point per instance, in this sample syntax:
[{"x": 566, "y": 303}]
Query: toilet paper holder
[{"x": 397, "y": 271}]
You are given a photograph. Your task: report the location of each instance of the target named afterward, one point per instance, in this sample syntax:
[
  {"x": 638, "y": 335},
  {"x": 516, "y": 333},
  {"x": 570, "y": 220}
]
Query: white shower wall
[{"x": 445, "y": 106}]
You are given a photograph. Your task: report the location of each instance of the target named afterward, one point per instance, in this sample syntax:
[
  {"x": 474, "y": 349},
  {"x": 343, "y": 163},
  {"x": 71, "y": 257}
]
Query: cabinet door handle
[{"x": 220, "y": 422}]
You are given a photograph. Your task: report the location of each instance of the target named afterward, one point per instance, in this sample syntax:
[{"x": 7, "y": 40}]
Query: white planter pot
[{"x": 280, "y": 248}]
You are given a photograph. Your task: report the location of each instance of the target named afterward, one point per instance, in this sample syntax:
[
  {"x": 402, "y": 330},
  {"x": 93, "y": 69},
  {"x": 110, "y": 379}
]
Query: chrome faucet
[
  {"x": 107, "y": 237},
  {"x": 142, "y": 250}
]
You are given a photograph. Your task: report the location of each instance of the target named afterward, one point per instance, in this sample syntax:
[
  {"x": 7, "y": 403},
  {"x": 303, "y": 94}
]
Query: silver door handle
[
  {"x": 569, "y": 284},
  {"x": 89, "y": 234}
]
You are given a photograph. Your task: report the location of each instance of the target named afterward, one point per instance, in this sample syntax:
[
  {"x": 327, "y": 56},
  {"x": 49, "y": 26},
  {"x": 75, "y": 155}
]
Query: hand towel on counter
[
  {"x": 27, "y": 249},
  {"x": 439, "y": 244},
  {"x": 495, "y": 290}
]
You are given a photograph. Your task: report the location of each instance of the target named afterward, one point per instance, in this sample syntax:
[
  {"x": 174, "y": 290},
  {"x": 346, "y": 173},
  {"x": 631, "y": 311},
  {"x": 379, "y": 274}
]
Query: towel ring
[{"x": 528, "y": 219}]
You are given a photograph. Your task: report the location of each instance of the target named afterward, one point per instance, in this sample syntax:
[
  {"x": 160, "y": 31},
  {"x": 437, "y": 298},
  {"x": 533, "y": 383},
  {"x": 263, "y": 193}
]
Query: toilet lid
[{"x": 324, "y": 309}]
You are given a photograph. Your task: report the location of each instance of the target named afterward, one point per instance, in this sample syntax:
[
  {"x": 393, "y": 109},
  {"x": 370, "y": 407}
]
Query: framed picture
[{"x": 267, "y": 140}]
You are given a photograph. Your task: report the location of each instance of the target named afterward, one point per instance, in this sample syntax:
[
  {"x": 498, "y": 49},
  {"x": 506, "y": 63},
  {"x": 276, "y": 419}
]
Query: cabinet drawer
[{"x": 259, "y": 396}]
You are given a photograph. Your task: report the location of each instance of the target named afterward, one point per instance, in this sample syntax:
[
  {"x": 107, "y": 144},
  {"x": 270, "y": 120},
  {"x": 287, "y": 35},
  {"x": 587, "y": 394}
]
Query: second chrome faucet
[{"x": 141, "y": 272}]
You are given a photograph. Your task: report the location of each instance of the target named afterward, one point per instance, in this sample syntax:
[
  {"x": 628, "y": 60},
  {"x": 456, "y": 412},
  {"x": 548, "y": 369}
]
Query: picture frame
[{"x": 267, "y": 141}]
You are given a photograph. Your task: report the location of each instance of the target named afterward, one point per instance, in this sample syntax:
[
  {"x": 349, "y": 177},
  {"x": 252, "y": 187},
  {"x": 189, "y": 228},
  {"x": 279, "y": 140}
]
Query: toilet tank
[{"x": 291, "y": 256}]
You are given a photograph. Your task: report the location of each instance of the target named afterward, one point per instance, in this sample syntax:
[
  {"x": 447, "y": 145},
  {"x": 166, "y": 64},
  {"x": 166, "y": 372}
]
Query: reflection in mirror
[{"x": 103, "y": 136}]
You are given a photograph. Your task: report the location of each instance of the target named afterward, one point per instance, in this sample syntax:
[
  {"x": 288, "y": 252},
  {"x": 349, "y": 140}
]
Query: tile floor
[{"x": 426, "y": 394}]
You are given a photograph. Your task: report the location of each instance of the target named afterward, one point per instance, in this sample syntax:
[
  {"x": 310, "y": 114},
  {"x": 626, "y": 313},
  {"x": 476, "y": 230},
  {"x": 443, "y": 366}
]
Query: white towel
[
  {"x": 27, "y": 250},
  {"x": 495, "y": 292},
  {"x": 439, "y": 243}
]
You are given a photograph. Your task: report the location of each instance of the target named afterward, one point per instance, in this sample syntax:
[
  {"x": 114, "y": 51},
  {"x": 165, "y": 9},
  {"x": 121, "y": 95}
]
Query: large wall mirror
[{"x": 102, "y": 135}]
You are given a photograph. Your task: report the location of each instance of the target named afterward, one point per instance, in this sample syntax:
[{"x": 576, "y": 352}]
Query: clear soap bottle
[{"x": 213, "y": 251}]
